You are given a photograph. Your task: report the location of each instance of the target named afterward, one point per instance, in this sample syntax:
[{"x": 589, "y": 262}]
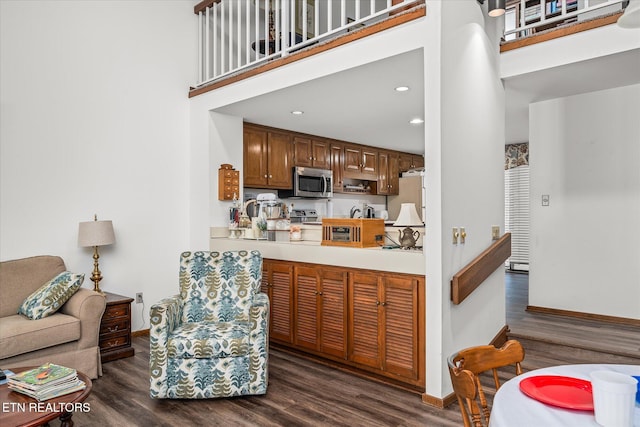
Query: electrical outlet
[
  {"x": 139, "y": 298},
  {"x": 495, "y": 232}
]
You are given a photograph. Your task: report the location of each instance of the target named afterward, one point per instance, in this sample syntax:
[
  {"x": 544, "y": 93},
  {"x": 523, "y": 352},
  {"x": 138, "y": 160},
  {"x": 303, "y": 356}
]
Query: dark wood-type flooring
[
  {"x": 304, "y": 393},
  {"x": 560, "y": 339}
]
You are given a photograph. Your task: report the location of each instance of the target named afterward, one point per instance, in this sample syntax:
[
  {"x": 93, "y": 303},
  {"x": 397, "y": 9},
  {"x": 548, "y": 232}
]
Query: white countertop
[{"x": 394, "y": 260}]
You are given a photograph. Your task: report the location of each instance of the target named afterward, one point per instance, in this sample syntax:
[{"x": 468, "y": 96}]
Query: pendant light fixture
[{"x": 495, "y": 8}]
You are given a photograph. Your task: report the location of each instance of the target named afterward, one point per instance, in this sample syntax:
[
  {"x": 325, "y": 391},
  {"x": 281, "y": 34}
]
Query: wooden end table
[
  {"x": 115, "y": 328},
  {"x": 17, "y": 409}
]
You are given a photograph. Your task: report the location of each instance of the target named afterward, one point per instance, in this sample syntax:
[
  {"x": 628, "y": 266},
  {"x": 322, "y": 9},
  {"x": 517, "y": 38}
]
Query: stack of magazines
[{"x": 46, "y": 382}]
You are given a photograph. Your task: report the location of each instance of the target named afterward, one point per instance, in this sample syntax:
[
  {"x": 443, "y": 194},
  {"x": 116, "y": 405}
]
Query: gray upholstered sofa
[{"x": 69, "y": 337}]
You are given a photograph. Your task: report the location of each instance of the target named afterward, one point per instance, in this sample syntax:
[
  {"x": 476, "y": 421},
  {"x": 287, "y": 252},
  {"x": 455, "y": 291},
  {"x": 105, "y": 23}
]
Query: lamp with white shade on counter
[{"x": 408, "y": 217}]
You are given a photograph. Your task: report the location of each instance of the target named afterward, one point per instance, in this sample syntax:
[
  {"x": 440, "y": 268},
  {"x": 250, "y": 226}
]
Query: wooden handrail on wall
[{"x": 473, "y": 274}]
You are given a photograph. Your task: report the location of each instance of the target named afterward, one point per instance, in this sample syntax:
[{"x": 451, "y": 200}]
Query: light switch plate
[{"x": 495, "y": 232}]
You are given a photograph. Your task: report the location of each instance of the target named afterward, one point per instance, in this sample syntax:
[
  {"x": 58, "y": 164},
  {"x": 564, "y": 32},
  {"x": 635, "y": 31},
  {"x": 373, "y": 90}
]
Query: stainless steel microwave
[{"x": 310, "y": 182}]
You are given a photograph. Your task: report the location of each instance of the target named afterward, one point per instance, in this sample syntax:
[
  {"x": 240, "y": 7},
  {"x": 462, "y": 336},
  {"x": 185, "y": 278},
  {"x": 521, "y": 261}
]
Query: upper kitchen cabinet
[
  {"x": 360, "y": 162},
  {"x": 311, "y": 152},
  {"x": 337, "y": 166},
  {"x": 388, "y": 173},
  {"x": 267, "y": 158},
  {"x": 410, "y": 161}
]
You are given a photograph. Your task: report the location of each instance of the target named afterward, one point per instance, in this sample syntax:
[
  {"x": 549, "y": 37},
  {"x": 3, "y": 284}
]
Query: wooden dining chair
[{"x": 465, "y": 368}]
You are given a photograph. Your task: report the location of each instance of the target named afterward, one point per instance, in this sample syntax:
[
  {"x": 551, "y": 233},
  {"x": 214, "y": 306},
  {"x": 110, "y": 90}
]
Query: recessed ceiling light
[
  {"x": 402, "y": 88},
  {"x": 297, "y": 112},
  {"x": 416, "y": 121}
]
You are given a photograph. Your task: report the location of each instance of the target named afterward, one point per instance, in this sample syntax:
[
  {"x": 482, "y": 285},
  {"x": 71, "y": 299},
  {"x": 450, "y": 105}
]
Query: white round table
[{"x": 511, "y": 407}]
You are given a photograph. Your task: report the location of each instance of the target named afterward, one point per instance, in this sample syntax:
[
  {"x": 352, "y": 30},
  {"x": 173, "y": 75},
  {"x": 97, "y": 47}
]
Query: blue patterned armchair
[{"x": 212, "y": 340}]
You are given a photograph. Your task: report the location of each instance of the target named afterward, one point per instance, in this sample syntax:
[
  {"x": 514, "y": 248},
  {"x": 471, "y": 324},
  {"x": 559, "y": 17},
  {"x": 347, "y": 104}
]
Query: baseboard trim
[
  {"x": 588, "y": 316},
  {"x": 140, "y": 333},
  {"x": 438, "y": 402}
]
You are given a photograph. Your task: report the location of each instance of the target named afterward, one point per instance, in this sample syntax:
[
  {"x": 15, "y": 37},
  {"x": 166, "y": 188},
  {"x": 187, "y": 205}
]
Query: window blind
[{"x": 516, "y": 193}]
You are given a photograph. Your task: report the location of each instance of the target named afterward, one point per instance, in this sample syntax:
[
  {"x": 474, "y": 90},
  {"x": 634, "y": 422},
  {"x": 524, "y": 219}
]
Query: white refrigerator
[{"x": 411, "y": 190}]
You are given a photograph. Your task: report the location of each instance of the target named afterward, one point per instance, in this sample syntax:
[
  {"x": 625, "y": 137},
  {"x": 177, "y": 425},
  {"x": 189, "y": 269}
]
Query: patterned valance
[{"x": 516, "y": 155}]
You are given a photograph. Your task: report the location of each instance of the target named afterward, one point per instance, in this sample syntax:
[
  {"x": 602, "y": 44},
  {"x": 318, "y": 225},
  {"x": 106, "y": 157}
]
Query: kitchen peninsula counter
[
  {"x": 361, "y": 308},
  {"x": 391, "y": 260}
]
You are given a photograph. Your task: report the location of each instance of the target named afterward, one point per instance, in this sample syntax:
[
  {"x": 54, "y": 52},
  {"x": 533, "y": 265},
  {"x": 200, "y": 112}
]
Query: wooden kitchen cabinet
[
  {"x": 267, "y": 158},
  {"x": 269, "y": 155},
  {"x": 311, "y": 152},
  {"x": 277, "y": 279},
  {"x": 320, "y": 318},
  {"x": 386, "y": 319},
  {"x": 388, "y": 173},
  {"x": 410, "y": 161},
  {"x": 371, "y": 321},
  {"x": 360, "y": 162},
  {"x": 337, "y": 166}
]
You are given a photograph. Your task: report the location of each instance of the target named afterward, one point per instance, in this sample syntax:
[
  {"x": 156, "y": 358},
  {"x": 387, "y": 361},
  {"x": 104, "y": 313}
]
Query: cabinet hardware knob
[
  {"x": 384, "y": 304},
  {"x": 270, "y": 176},
  {"x": 320, "y": 293},
  {"x": 265, "y": 175},
  {"x": 377, "y": 302}
]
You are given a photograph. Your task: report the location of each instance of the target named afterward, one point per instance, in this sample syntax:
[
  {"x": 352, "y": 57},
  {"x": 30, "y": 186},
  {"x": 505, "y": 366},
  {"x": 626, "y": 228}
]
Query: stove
[{"x": 303, "y": 215}]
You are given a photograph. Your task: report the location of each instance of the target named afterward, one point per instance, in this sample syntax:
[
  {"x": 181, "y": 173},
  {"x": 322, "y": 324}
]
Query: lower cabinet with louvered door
[
  {"x": 277, "y": 277},
  {"x": 387, "y": 324},
  {"x": 320, "y": 309},
  {"x": 370, "y": 321}
]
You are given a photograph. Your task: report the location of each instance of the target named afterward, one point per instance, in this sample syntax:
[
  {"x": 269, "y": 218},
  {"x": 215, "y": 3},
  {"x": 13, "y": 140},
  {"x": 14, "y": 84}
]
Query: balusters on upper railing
[
  {"x": 528, "y": 16},
  {"x": 237, "y": 34}
]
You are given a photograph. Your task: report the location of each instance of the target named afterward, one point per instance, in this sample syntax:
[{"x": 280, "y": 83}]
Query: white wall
[
  {"x": 95, "y": 119},
  {"x": 466, "y": 159},
  {"x": 585, "y": 154},
  {"x": 225, "y": 133}
]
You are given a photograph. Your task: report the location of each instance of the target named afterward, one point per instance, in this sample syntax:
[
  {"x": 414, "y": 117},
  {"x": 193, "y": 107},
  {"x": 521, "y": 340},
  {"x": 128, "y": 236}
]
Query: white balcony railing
[
  {"x": 238, "y": 34},
  {"x": 526, "y": 17}
]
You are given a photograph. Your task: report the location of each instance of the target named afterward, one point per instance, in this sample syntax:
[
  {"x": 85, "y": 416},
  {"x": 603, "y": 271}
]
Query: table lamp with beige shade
[{"x": 96, "y": 233}]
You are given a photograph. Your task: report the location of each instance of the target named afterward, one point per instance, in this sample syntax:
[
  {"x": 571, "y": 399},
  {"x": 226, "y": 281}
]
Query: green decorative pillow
[{"x": 51, "y": 296}]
